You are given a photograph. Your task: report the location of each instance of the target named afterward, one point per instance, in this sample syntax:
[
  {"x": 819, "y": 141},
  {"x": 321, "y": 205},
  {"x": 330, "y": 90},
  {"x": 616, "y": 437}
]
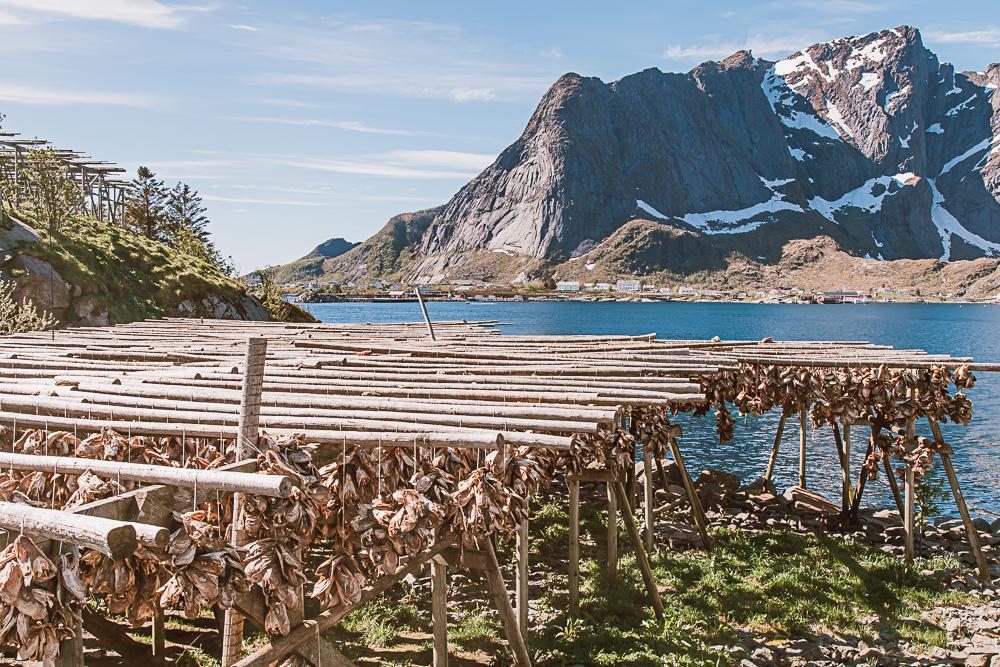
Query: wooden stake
[
  {"x": 158, "y": 634},
  {"x": 697, "y": 513},
  {"x": 612, "y": 536},
  {"x": 769, "y": 475},
  {"x": 908, "y": 523},
  {"x": 573, "y": 568},
  {"x": 845, "y": 464},
  {"x": 439, "y": 612},
  {"x": 521, "y": 580},
  {"x": 246, "y": 446},
  {"x": 495, "y": 579},
  {"x": 803, "y": 438},
  {"x": 71, "y": 650},
  {"x": 890, "y": 475},
  {"x": 971, "y": 534},
  {"x": 641, "y": 557},
  {"x": 647, "y": 485},
  {"x": 423, "y": 309}
]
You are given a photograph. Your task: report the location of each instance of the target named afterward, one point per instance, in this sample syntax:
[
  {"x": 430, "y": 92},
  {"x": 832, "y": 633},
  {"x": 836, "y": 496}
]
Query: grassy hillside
[{"x": 91, "y": 272}]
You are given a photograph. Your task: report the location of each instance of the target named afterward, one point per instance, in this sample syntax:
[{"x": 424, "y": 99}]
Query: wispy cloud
[
  {"x": 262, "y": 202},
  {"x": 6, "y": 18},
  {"x": 984, "y": 37},
  {"x": 714, "y": 48},
  {"x": 143, "y": 13},
  {"x": 18, "y": 94},
  {"x": 401, "y": 58},
  {"x": 395, "y": 163},
  {"x": 447, "y": 159},
  {"x": 374, "y": 166},
  {"x": 242, "y": 26},
  {"x": 553, "y": 52},
  {"x": 348, "y": 125}
]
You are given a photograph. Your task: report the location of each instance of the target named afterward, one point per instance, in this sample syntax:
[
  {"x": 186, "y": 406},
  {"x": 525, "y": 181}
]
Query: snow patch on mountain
[
  {"x": 868, "y": 197},
  {"x": 869, "y": 80},
  {"x": 950, "y": 164},
  {"x": 649, "y": 209},
  {"x": 783, "y": 99},
  {"x": 959, "y": 107},
  {"x": 948, "y": 225}
]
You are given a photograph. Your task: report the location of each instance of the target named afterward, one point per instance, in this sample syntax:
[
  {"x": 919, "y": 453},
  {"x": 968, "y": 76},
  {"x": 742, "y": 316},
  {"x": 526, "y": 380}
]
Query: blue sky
[{"x": 301, "y": 121}]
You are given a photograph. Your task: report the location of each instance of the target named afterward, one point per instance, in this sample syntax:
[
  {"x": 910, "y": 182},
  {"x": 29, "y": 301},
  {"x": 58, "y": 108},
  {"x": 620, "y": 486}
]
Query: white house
[
  {"x": 602, "y": 287},
  {"x": 568, "y": 285},
  {"x": 628, "y": 286}
]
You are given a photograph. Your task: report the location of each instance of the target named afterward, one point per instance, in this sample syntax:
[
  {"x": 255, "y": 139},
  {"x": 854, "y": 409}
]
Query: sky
[{"x": 303, "y": 121}]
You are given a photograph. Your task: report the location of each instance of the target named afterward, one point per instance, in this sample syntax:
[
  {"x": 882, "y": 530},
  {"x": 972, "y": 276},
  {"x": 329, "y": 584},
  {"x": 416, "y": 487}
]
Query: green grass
[
  {"x": 379, "y": 623},
  {"x": 474, "y": 629},
  {"x": 129, "y": 274},
  {"x": 777, "y": 584}
]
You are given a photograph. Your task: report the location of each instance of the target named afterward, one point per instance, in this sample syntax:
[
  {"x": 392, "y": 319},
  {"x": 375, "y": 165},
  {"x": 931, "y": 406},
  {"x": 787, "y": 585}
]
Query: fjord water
[{"x": 960, "y": 330}]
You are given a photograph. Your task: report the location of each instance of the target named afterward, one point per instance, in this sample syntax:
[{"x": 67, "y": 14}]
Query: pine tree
[
  {"x": 145, "y": 205},
  {"x": 185, "y": 210}
]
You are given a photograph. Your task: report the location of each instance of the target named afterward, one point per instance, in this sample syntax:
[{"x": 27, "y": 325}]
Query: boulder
[{"x": 726, "y": 480}]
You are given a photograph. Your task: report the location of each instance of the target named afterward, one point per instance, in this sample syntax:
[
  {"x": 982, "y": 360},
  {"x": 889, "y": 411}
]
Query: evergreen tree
[
  {"x": 145, "y": 205},
  {"x": 185, "y": 210}
]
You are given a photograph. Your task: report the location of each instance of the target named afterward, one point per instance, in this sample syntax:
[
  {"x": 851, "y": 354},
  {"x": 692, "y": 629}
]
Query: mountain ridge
[{"x": 868, "y": 140}]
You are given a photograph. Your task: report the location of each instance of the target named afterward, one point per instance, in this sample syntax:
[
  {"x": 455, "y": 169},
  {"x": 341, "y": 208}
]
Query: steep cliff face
[{"x": 868, "y": 140}]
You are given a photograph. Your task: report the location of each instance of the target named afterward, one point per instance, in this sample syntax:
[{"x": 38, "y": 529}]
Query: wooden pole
[
  {"x": 246, "y": 447},
  {"x": 845, "y": 465},
  {"x": 113, "y": 538},
  {"x": 697, "y": 513},
  {"x": 647, "y": 473},
  {"x": 423, "y": 309},
  {"x": 641, "y": 557},
  {"x": 71, "y": 650},
  {"x": 971, "y": 534},
  {"x": 612, "y": 536},
  {"x": 439, "y": 612},
  {"x": 769, "y": 475},
  {"x": 521, "y": 580},
  {"x": 158, "y": 634},
  {"x": 863, "y": 476},
  {"x": 803, "y": 439},
  {"x": 513, "y": 633},
  {"x": 278, "y": 486},
  {"x": 908, "y": 523},
  {"x": 573, "y": 567},
  {"x": 890, "y": 475}
]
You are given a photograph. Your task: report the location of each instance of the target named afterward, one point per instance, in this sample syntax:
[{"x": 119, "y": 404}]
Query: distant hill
[
  {"x": 869, "y": 141},
  {"x": 95, "y": 274},
  {"x": 313, "y": 266}
]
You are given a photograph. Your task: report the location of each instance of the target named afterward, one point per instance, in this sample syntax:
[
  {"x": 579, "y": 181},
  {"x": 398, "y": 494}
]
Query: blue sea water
[{"x": 961, "y": 330}]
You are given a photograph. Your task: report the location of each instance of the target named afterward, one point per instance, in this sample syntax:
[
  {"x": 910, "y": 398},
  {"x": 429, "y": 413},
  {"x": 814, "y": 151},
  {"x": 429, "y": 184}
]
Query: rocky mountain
[
  {"x": 313, "y": 266},
  {"x": 867, "y": 140},
  {"x": 332, "y": 248}
]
